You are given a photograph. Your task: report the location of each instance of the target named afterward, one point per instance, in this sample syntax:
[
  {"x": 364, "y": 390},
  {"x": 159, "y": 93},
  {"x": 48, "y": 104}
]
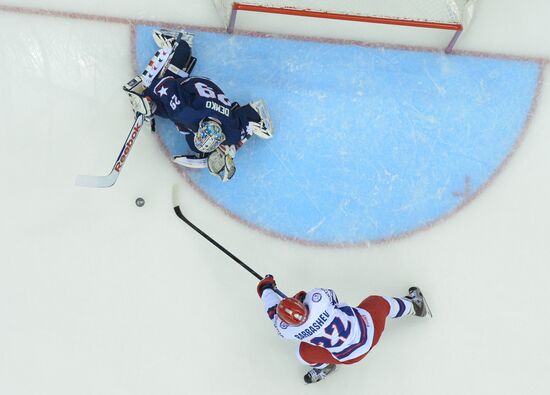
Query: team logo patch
[
  {"x": 283, "y": 325},
  {"x": 316, "y": 297}
]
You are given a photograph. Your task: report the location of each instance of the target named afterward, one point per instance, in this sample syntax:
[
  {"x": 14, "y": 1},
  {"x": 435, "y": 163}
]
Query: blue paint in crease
[{"x": 370, "y": 143}]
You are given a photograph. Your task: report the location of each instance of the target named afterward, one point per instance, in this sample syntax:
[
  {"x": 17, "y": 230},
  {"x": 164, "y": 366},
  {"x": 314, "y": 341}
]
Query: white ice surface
[{"x": 98, "y": 296}]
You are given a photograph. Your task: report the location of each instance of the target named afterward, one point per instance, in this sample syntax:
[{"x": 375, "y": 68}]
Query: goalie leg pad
[
  {"x": 264, "y": 128},
  {"x": 157, "y": 65},
  {"x": 182, "y": 62},
  {"x": 168, "y": 37}
]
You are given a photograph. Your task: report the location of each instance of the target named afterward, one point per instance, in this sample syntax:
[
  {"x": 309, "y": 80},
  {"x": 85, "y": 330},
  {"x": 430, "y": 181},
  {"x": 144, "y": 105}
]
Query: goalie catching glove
[{"x": 220, "y": 162}]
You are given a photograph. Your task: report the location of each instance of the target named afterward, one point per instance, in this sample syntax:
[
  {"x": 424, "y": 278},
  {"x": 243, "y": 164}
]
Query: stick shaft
[
  {"x": 178, "y": 212},
  {"x": 110, "y": 179},
  {"x": 211, "y": 240}
]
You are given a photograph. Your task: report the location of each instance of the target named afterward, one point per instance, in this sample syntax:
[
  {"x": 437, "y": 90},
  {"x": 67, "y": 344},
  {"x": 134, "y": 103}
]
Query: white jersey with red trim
[{"x": 346, "y": 332}]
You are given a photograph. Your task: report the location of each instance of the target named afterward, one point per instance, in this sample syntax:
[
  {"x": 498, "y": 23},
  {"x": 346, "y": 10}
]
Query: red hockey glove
[{"x": 267, "y": 282}]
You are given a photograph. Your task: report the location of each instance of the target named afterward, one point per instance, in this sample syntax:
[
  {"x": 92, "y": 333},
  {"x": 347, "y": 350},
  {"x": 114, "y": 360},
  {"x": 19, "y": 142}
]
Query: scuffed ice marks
[{"x": 370, "y": 143}]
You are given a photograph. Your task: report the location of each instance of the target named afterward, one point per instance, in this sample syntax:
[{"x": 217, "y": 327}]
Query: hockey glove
[
  {"x": 230, "y": 150},
  {"x": 140, "y": 104},
  {"x": 221, "y": 164},
  {"x": 268, "y": 282}
]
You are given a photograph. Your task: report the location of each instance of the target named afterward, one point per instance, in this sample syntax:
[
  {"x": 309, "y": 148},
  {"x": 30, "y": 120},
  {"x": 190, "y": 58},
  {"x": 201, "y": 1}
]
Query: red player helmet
[{"x": 292, "y": 311}]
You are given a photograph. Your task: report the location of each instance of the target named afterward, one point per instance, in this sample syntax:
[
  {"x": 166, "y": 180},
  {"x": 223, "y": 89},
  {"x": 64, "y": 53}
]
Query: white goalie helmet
[{"x": 209, "y": 136}]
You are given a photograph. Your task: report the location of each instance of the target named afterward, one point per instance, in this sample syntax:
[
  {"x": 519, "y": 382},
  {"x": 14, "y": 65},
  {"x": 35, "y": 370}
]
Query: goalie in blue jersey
[{"x": 213, "y": 126}]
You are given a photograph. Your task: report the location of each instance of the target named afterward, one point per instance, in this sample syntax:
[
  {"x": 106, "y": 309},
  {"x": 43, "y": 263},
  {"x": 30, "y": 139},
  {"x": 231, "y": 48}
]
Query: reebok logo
[{"x": 126, "y": 150}]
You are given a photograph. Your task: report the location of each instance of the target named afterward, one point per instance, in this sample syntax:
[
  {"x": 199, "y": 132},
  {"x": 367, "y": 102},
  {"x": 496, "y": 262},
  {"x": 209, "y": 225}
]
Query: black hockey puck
[{"x": 140, "y": 202}]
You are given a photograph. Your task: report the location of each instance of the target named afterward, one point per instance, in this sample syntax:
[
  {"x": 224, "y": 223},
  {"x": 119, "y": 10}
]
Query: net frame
[{"x": 454, "y": 26}]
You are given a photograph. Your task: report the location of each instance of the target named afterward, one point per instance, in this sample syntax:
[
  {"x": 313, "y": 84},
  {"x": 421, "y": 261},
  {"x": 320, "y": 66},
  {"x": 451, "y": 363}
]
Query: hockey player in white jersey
[{"x": 330, "y": 332}]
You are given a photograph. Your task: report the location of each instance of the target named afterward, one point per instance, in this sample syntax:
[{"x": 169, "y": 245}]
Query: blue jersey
[{"x": 186, "y": 101}]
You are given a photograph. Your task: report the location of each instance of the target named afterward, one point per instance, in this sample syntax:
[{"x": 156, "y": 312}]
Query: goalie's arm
[{"x": 173, "y": 61}]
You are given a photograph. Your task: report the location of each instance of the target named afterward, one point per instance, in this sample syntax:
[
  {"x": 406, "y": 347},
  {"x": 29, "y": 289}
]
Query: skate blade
[{"x": 428, "y": 308}]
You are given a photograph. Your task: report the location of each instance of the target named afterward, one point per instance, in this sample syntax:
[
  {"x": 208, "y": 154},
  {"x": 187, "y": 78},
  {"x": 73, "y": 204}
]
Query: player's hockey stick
[
  {"x": 177, "y": 209},
  {"x": 110, "y": 179}
]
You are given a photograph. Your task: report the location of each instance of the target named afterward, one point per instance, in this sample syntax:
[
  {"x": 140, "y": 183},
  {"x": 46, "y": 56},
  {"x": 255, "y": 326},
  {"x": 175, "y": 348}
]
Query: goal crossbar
[{"x": 456, "y": 27}]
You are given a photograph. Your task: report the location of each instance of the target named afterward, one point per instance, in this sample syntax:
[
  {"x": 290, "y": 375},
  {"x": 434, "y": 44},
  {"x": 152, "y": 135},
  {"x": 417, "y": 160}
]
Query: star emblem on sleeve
[{"x": 163, "y": 91}]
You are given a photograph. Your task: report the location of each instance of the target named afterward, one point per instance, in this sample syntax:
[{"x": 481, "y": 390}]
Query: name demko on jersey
[
  {"x": 347, "y": 332},
  {"x": 185, "y": 101}
]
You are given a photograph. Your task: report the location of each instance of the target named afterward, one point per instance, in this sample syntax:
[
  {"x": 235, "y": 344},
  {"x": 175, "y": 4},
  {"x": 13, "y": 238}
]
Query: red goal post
[{"x": 450, "y": 15}]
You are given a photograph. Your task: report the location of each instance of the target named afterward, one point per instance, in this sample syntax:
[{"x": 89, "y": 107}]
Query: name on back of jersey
[
  {"x": 314, "y": 327},
  {"x": 217, "y": 107}
]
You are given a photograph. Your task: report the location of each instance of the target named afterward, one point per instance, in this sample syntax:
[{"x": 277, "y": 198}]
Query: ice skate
[
  {"x": 420, "y": 306},
  {"x": 315, "y": 375},
  {"x": 167, "y": 37}
]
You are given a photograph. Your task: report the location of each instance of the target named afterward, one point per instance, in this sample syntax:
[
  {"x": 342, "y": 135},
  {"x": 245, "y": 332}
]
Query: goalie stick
[
  {"x": 110, "y": 179},
  {"x": 177, "y": 210}
]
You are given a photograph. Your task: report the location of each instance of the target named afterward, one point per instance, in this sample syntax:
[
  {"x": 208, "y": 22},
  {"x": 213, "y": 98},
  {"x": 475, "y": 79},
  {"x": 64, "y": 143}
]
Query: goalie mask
[
  {"x": 292, "y": 311},
  {"x": 209, "y": 136}
]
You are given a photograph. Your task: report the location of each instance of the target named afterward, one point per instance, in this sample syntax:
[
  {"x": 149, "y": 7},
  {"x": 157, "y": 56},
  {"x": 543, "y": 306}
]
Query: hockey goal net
[{"x": 445, "y": 15}]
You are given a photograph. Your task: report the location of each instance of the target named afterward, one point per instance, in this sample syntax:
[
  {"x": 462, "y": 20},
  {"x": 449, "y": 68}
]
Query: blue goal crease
[{"x": 370, "y": 143}]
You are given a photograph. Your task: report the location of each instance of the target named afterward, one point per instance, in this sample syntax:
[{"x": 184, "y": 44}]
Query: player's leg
[
  {"x": 172, "y": 59},
  {"x": 399, "y": 307},
  {"x": 181, "y": 63},
  {"x": 168, "y": 37},
  {"x": 412, "y": 304},
  {"x": 319, "y": 359},
  {"x": 382, "y": 307},
  {"x": 137, "y": 86},
  {"x": 314, "y": 356}
]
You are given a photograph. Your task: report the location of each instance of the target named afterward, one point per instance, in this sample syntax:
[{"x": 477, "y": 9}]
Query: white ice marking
[{"x": 315, "y": 227}]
